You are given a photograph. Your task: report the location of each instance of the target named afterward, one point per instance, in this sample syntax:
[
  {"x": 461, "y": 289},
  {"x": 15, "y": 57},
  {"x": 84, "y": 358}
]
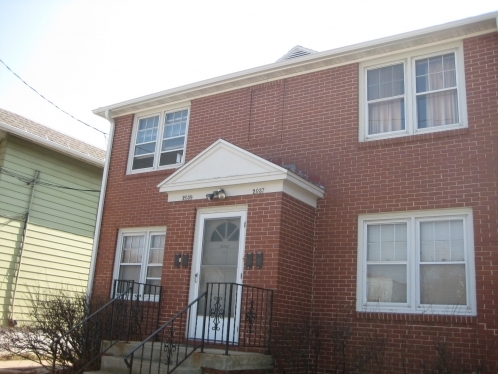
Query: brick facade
[{"x": 310, "y": 255}]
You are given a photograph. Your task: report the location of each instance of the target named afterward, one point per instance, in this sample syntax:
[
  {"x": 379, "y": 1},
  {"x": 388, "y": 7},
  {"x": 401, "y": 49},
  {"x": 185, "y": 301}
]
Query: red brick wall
[
  {"x": 131, "y": 201},
  {"x": 314, "y": 126}
]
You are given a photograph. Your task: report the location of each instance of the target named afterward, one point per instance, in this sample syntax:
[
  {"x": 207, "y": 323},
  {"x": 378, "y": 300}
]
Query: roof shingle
[{"x": 46, "y": 133}]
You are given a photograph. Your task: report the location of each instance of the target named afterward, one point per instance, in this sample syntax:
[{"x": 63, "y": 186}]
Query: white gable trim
[{"x": 238, "y": 172}]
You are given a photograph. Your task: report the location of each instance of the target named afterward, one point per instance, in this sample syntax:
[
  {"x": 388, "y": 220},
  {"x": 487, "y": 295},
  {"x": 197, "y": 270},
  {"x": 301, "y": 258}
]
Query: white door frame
[{"x": 234, "y": 211}]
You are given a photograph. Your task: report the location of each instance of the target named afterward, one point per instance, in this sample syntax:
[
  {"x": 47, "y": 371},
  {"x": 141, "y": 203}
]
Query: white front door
[{"x": 218, "y": 261}]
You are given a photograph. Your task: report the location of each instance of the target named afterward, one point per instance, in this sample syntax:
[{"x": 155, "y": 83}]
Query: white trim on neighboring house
[
  {"x": 50, "y": 144},
  {"x": 238, "y": 172},
  {"x": 444, "y": 33}
]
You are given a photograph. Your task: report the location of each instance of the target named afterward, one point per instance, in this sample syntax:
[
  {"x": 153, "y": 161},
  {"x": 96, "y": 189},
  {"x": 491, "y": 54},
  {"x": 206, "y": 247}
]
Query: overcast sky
[{"x": 85, "y": 54}]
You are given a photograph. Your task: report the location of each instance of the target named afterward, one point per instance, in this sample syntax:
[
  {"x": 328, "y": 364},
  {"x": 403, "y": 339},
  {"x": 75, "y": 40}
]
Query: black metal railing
[
  {"x": 224, "y": 315},
  {"x": 131, "y": 314}
]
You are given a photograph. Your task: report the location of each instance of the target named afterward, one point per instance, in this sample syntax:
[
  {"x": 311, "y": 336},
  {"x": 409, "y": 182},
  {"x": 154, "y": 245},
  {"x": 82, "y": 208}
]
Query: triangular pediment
[{"x": 238, "y": 172}]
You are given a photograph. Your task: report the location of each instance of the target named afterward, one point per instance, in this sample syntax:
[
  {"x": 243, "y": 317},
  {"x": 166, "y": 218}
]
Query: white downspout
[{"x": 100, "y": 211}]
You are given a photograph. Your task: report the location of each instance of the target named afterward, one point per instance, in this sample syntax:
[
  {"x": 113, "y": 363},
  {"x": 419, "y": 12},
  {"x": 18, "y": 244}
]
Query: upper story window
[
  {"x": 417, "y": 262},
  {"x": 415, "y": 93},
  {"x": 159, "y": 141}
]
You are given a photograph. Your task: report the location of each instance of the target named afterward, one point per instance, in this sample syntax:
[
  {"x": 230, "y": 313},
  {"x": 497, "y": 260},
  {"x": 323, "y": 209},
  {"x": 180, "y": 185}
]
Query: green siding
[{"x": 59, "y": 240}]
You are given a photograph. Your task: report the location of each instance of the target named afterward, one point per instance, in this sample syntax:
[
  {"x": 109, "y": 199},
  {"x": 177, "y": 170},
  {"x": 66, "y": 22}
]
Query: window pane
[
  {"x": 171, "y": 158},
  {"x": 157, "y": 241},
  {"x": 174, "y": 143},
  {"x": 435, "y": 73},
  {"x": 156, "y": 255},
  {"x": 143, "y": 162},
  {"x": 441, "y": 241},
  {"x": 146, "y": 148},
  {"x": 385, "y": 82},
  {"x": 387, "y": 251},
  {"x": 386, "y": 242},
  {"x": 386, "y": 283},
  {"x": 373, "y": 233},
  {"x": 437, "y": 109},
  {"x": 457, "y": 250},
  {"x": 442, "y": 251},
  {"x": 154, "y": 271},
  {"x": 443, "y": 284},
  {"x": 132, "y": 249},
  {"x": 175, "y": 124},
  {"x": 386, "y": 116},
  {"x": 373, "y": 252},
  {"x": 127, "y": 272}
]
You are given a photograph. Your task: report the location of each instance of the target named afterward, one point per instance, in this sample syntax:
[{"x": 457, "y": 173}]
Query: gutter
[{"x": 100, "y": 211}]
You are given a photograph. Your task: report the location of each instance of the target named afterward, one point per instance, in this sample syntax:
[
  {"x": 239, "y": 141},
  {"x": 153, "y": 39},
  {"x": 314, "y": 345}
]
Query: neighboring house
[
  {"x": 46, "y": 227},
  {"x": 363, "y": 177}
]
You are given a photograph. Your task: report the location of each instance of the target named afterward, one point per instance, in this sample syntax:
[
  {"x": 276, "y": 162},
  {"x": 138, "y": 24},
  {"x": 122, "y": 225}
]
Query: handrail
[
  {"x": 129, "y": 364},
  {"x": 113, "y": 321},
  {"x": 67, "y": 333},
  {"x": 230, "y": 314}
]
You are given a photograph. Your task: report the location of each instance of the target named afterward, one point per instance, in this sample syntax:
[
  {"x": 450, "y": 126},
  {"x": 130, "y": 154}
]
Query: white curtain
[
  {"x": 437, "y": 109},
  {"x": 386, "y": 116}
]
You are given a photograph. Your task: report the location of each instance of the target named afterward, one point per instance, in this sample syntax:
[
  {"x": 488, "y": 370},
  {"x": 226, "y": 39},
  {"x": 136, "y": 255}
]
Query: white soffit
[{"x": 238, "y": 172}]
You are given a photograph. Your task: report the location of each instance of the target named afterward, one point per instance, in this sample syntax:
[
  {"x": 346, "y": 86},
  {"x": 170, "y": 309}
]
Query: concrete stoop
[{"x": 211, "y": 361}]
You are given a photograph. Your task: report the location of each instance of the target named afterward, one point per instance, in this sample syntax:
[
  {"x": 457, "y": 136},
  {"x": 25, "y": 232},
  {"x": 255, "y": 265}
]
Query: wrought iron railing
[
  {"x": 131, "y": 314},
  {"x": 225, "y": 315}
]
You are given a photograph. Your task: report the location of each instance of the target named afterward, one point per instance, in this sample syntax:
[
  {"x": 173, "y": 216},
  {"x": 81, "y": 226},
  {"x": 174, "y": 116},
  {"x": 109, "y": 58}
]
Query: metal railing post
[
  {"x": 229, "y": 315},
  {"x": 130, "y": 305},
  {"x": 270, "y": 321},
  {"x": 204, "y": 319}
]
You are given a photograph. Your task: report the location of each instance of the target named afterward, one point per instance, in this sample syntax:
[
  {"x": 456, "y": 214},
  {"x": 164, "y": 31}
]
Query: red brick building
[{"x": 362, "y": 181}]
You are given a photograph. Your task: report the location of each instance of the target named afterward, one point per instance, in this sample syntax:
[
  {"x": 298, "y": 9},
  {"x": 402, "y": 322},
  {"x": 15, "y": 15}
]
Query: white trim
[
  {"x": 100, "y": 210},
  {"x": 264, "y": 177},
  {"x": 215, "y": 212},
  {"x": 147, "y": 232},
  {"x": 160, "y": 130},
  {"x": 456, "y": 30},
  {"x": 51, "y": 145},
  {"x": 408, "y": 59},
  {"x": 413, "y": 219}
]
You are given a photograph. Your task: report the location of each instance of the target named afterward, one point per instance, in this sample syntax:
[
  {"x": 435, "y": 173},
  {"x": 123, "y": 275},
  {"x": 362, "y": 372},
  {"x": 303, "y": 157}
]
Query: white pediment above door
[{"x": 238, "y": 172}]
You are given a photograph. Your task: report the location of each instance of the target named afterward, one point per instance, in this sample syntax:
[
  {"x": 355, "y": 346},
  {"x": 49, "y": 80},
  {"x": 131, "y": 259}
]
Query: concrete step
[{"x": 212, "y": 360}]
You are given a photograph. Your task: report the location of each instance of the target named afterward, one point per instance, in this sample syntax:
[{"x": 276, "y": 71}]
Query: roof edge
[
  {"x": 302, "y": 61},
  {"x": 52, "y": 145}
]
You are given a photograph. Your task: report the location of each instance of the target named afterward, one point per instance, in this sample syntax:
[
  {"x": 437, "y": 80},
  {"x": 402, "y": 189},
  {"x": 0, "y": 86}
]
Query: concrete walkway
[{"x": 21, "y": 366}]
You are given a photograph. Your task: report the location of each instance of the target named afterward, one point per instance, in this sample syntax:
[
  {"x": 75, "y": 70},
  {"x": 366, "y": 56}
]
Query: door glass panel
[{"x": 219, "y": 261}]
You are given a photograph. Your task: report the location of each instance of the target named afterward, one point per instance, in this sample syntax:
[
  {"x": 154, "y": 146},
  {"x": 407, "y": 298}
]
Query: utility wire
[
  {"x": 30, "y": 180},
  {"x": 43, "y": 97}
]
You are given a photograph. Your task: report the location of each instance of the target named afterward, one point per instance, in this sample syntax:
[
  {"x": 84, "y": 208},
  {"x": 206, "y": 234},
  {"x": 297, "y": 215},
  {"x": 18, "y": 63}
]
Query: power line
[
  {"x": 30, "y": 180},
  {"x": 62, "y": 110}
]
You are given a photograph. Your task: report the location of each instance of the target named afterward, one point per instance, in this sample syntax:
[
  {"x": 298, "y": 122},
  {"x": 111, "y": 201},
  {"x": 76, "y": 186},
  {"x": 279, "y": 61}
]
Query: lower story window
[
  {"x": 417, "y": 262},
  {"x": 139, "y": 257}
]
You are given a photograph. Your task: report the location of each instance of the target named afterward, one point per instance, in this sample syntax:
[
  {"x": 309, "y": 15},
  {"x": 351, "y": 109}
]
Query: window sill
[
  {"x": 412, "y": 138},
  {"x": 420, "y": 318}
]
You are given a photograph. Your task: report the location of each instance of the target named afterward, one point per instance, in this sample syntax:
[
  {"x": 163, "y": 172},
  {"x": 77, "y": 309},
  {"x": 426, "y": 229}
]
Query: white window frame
[
  {"x": 408, "y": 59},
  {"x": 148, "y": 232},
  {"x": 413, "y": 220},
  {"x": 157, "y": 154}
]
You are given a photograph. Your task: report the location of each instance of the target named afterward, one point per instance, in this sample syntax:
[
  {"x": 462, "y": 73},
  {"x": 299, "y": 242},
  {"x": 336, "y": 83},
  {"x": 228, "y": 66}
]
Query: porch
[{"x": 227, "y": 328}]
